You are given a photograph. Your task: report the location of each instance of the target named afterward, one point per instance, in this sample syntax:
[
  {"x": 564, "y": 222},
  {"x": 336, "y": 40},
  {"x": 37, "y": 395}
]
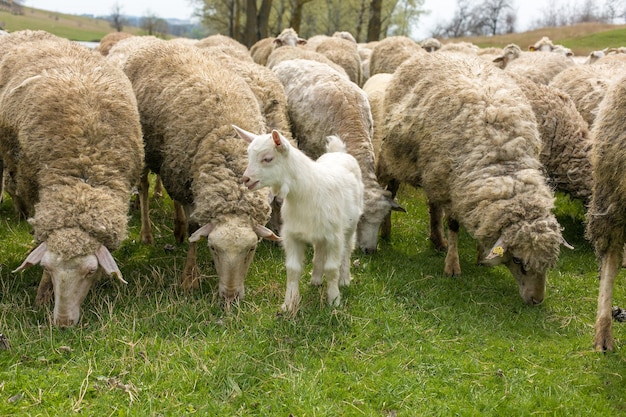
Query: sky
[
  {"x": 179, "y": 9},
  {"x": 440, "y": 10}
]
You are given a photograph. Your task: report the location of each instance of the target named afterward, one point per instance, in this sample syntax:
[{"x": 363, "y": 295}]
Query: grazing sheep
[
  {"x": 286, "y": 53},
  {"x": 509, "y": 53},
  {"x": 565, "y": 137},
  {"x": 262, "y": 49},
  {"x": 472, "y": 144},
  {"x": 322, "y": 204},
  {"x": 110, "y": 39},
  {"x": 587, "y": 85},
  {"x": 540, "y": 67},
  {"x": 71, "y": 137},
  {"x": 342, "y": 52},
  {"x": 187, "y": 103},
  {"x": 323, "y": 103},
  {"x": 225, "y": 44},
  {"x": 606, "y": 217},
  {"x": 375, "y": 88},
  {"x": 431, "y": 44},
  {"x": 389, "y": 53}
]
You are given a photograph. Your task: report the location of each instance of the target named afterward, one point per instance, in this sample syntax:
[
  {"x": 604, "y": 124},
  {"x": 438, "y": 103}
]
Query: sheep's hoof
[
  {"x": 147, "y": 239},
  {"x": 603, "y": 340},
  {"x": 190, "y": 280}
]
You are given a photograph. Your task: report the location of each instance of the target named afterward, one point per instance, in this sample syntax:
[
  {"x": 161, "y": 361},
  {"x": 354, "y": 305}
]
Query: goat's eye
[{"x": 268, "y": 159}]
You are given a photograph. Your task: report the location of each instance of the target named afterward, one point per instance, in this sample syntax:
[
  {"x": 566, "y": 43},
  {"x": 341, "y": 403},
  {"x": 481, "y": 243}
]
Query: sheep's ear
[
  {"x": 532, "y": 48},
  {"x": 266, "y": 233},
  {"x": 204, "y": 231},
  {"x": 34, "y": 257},
  {"x": 301, "y": 41},
  {"x": 497, "y": 250},
  {"x": 107, "y": 263},
  {"x": 396, "y": 207},
  {"x": 244, "y": 134}
]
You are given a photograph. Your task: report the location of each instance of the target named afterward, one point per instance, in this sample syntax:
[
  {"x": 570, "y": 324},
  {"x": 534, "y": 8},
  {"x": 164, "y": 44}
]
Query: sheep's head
[
  {"x": 232, "y": 244},
  {"x": 73, "y": 277},
  {"x": 378, "y": 208},
  {"x": 528, "y": 254}
]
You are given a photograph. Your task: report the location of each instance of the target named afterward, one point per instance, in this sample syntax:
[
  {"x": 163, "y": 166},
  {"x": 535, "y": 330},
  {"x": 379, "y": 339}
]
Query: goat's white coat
[{"x": 322, "y": 204}]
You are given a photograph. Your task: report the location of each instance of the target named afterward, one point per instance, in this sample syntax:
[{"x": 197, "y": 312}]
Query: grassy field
[{"x": 406, "y": 340}]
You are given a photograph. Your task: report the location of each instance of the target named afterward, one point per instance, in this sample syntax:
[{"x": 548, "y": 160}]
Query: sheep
[
  {"x": 431, "y": 44},
  {"x": 365, "y": 52},
  {"x": 392, "y": 51},
  {"x": 606, "y": 217},
  {"x": 109, "y": 40},
  {"x": 508, "y": 54},
  {"x": 262, "y": 49},
  {"x": 540, "y": 67},
  {"x": 291, "y": 52},
  {"x": 565, "y": 137},
  {"x": 322, "y": 204},
  {"x": 342, "y": 52},
  {"x": 71, "y": 137},
  {"x": 187, "y": 102},
  {"x": 544, "y": 44},
  {"x": 322, "y": 103},
  {"x": 375, "y": 88},
  {"x": 225, "y": 44},
  {"x": 472, "y": 144},
  {"x": 587, "y": 85}
]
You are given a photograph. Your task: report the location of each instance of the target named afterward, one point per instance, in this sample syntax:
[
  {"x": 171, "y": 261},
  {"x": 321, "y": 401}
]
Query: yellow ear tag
[{"x": 498, "y": 250}]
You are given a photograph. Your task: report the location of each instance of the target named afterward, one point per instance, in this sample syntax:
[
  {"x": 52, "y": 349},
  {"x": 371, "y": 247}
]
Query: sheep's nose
[{"x": 245, "y": 179}]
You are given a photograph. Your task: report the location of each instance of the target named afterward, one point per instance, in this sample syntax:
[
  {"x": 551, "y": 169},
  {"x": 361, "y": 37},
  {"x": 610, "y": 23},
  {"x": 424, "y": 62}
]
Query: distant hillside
[{"x": 581, "y": 38}]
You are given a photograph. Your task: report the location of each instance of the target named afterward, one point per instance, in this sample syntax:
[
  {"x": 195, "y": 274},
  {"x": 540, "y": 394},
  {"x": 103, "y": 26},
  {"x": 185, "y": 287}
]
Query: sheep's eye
[{"x": 519, "y": 262}]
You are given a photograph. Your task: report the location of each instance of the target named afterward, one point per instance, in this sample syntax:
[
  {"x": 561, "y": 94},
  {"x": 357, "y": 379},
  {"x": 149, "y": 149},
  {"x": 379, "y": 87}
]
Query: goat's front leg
[
  {"x": 609, "y": 267},
  {"x": 453, "y": 266},
  {"x": 294, "y": 258},
  {"x": 344, "y": 270}
]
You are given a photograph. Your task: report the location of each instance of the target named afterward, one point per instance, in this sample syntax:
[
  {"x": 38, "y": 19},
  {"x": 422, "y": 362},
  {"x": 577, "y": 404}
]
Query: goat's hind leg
[
  {"x": 319, "y": 261},
  {"x": 334, "y": 259}
]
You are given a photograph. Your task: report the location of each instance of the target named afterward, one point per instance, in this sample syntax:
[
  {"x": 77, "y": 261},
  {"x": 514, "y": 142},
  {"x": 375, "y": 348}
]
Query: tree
[
  {"x": 153, "y": 24},
  {"x": 374, "y": 23},
  {"x": 117, "y": 20},
  {"x": 492, "y": 16}
]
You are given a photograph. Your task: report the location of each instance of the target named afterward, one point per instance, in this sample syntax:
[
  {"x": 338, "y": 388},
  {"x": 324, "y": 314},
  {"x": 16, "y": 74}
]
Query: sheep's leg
[
  {"x": 385, "y": 228},
  {"x": 294, "y": 258},
  {"x": 436, "y": 227},
  {"x": 144, "y": 206},
  {"x": 319, "y": 259},
  {"x": 180, "y": 222},
  {"x": 158, "y": 187},
  {"x": 191, "y": 277},
  {"x": 45, "y": 290},
  {"x": 453, "y": 266},
  {"x": 609, "y": 267}
]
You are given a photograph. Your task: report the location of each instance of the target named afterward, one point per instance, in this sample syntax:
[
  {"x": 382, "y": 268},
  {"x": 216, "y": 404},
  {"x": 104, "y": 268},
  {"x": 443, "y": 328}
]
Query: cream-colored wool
[
  {"x": 70, "y": 130},
  {"x": 565, "y": 136},
  {"x": 109, "y": 40},
  {"x": 389, "y": 53},
  {"x": 342, "y": 52},
  {"x": 323, "y": 103},
  {"x": 188, "y": 103},
  {"x": 588, "y": 84},
  {"x": 285, "y": 53},
  {"x": 606, "y": 217},
  {"x": 539, "y": 66},
  {"x": 472, "y": 144},
  {"x": 227, "y": 45}
]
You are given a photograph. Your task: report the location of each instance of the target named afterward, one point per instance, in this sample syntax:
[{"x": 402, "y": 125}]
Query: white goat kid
[{"x": 322, "y": 204}]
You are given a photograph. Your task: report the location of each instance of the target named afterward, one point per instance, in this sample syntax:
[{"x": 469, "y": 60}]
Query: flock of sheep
[{"x": 307, "y": 142}]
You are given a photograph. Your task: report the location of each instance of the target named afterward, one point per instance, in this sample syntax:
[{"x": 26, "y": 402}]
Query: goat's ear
[
  {"x": 244, "y": 134},
  {"x": 278, "y": 140}
]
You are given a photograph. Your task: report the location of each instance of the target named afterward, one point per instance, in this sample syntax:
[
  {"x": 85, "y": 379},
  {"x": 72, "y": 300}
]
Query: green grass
[{"x": 405, "y": 341}]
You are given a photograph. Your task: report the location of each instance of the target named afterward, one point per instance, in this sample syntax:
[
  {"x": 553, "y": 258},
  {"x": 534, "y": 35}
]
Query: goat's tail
[{"x": 335, "y": 144}]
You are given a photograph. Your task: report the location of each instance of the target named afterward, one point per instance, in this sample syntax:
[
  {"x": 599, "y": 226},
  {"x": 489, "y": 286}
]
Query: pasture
[{"x": 406, "y": 340}]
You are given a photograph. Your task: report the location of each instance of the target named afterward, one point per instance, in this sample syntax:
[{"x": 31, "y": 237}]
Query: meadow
[{"x": 406, "y": 340}]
